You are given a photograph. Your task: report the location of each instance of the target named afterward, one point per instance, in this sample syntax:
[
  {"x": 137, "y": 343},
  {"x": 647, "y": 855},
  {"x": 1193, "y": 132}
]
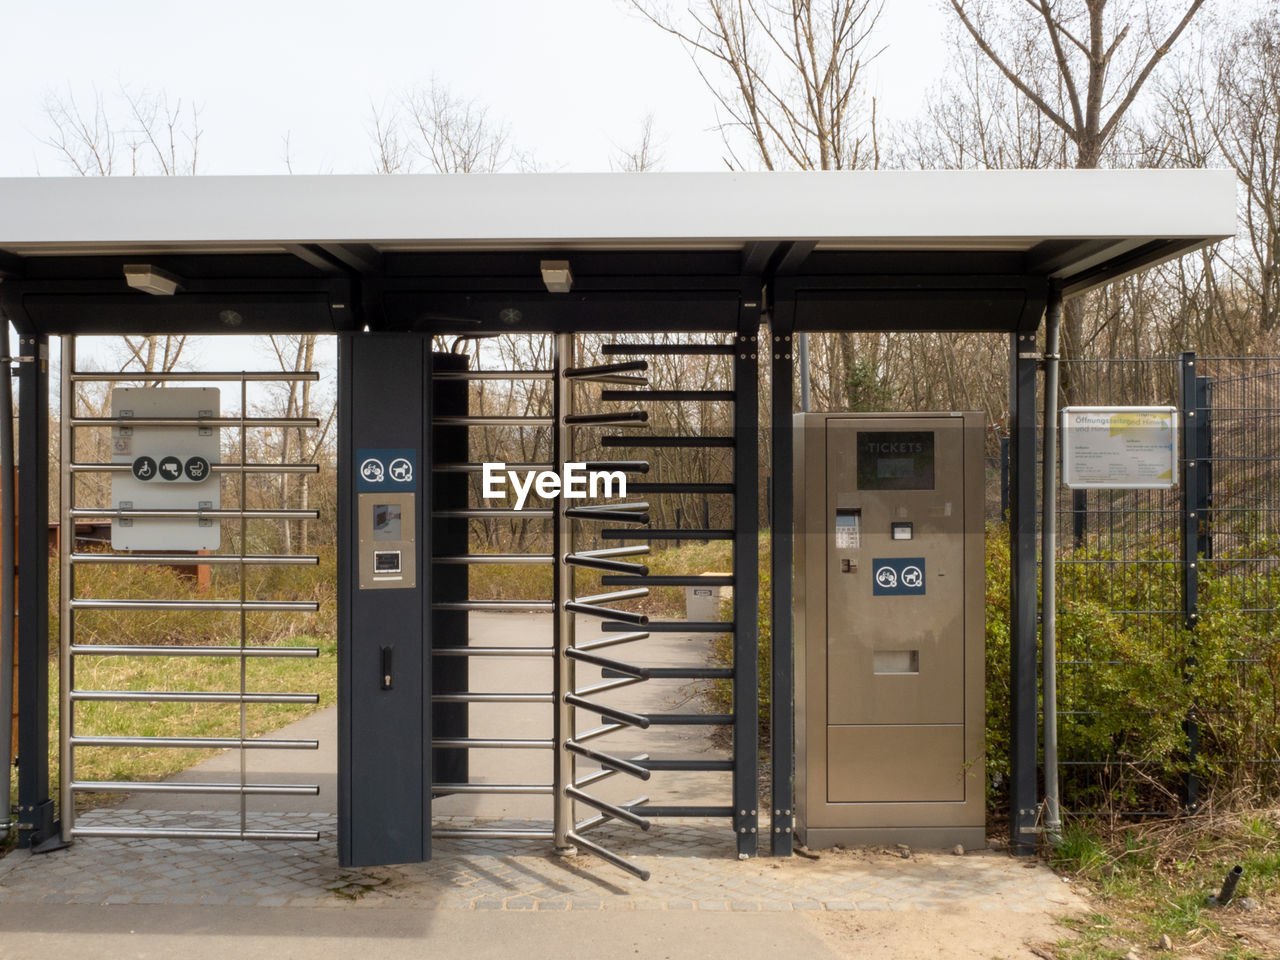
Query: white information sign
[
  {"x": 1119, "y": 447},
  {"x": 169, "y": 468}
]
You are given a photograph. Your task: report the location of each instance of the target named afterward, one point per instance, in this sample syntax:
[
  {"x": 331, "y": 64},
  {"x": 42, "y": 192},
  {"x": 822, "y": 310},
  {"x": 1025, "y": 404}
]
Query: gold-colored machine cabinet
[
  {"x": 890, "y": 628},
  {"x": 387, "y": 527}
]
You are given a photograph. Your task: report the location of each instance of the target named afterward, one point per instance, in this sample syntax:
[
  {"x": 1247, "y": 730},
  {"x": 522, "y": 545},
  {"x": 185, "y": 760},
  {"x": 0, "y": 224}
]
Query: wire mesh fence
[{"x": 1167, "y": 599}]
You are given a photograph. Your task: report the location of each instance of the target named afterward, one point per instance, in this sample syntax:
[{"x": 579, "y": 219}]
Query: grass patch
[
  {"x": 1155, "y": 879},
  {"x": 262, "y": 674}
]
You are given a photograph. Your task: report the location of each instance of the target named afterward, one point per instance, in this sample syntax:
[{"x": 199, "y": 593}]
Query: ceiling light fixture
[
  {"x": 557, "y": 276},
  {"x": 153, "y": 280}
]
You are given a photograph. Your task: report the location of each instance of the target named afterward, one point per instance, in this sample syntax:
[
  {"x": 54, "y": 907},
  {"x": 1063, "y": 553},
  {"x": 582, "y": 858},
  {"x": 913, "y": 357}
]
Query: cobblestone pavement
[{"x": 693, "y": 866}]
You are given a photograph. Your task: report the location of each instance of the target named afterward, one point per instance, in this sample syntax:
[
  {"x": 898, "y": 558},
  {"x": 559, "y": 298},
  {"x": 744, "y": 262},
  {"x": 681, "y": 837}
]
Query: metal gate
[
  {"x": 85, "y": 457},
  {"x": 571, "y": 745}
]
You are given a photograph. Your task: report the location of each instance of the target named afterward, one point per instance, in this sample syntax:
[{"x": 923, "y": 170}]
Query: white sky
[{"x": 572, "y": 78}]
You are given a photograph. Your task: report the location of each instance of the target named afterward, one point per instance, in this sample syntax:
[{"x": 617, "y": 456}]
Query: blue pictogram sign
[
  {"x": 380, "y": 470},
  {"x": 897, "y": 577}
]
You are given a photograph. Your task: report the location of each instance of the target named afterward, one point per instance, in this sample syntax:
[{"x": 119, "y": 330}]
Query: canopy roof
[{"x": 435, "y": 251}]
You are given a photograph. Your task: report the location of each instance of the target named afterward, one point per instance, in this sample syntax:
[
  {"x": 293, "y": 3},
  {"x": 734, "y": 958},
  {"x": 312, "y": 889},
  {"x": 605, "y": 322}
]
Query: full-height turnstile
[
  {"x": 404, "y": 688},
  {"x": 179, "y": 474}
]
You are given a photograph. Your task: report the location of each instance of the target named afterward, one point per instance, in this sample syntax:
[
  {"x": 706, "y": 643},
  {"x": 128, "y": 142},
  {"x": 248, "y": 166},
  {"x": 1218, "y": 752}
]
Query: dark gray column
[{"x": 384, "y": 730}]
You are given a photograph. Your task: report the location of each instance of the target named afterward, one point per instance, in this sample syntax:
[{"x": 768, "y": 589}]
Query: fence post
[
  {"x": 1192, "y": 518},
  {"x": 1079, "y": 516},
  {"x": 1204, "y": 459}
]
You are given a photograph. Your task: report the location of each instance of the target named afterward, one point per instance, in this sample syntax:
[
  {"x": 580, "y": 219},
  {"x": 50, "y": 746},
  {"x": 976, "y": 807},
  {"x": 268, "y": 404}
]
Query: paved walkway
[
  {"x": 690, "y": 863},
  {"x": 61, "y": 903}
]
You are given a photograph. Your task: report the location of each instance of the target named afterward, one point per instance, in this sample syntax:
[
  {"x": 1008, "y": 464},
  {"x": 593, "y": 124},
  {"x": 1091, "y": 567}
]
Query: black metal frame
[{"x": 336, "y": 288}]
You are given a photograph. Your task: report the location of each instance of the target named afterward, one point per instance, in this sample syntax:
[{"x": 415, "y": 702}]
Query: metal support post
[
  {"x": 746, "y": 588},
  {"x": 1004, "y": 478},
  {"x": 781, "y": 665},
  {"x": 1190, "y": 487},
  {"x": 1193, "y": 487},
  {"x": 1023, "y": 789},
  {"x": 8, "y": 517},
  {"x": 1079, "y": 517},
  {"x": 1049, "y": 564},
  {"x": 36, "y": 823},
  {"x": 564, "y": 684}
]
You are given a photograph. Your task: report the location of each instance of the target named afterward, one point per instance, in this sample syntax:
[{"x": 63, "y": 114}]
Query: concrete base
[{"x": 925, "y": 838}]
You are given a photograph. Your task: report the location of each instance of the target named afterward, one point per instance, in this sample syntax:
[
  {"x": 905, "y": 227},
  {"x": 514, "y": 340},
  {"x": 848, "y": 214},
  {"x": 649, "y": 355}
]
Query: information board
[
  {"x": 1134, "y": 448},
  {"x": 169, "y": 467}
]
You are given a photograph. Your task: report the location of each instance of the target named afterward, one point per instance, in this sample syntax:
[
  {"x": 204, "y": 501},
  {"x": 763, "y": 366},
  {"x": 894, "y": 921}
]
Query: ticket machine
[{"x": 889, "y": 629}]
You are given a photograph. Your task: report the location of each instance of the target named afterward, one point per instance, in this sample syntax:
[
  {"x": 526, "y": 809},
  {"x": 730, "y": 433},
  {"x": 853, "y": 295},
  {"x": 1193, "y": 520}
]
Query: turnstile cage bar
[{"x": 70, "y": 740}]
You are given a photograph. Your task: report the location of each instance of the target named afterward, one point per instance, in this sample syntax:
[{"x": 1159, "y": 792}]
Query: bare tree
[
  {"x": 1070, "y": 59},
  {"x": 788, "y": 76},
  {"x": 430, "y": 128},
  {"x": 643, "y": 156},
  {"x": 138, "y": 133}
]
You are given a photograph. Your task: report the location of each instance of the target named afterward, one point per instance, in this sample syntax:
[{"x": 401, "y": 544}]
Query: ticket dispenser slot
[{"x": 890, "y": 629}]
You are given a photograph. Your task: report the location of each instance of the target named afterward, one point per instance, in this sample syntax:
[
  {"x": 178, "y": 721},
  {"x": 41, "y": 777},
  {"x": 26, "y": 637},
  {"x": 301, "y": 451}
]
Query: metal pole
[
  {"x": 1024, "y": 790},
  {"x": 563, "y": 764},
  {"x": 803, "y": 339},
  {"x": 1048, "y": 563},
  {"x": 7, "y": 520},
  {"x": 66, "y": 588},
  {"x": 781, "y": 666}
]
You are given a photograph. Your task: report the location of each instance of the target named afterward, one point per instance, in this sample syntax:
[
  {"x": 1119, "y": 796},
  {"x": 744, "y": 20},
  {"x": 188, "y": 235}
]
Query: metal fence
[{"x": 1169, "y": 669}]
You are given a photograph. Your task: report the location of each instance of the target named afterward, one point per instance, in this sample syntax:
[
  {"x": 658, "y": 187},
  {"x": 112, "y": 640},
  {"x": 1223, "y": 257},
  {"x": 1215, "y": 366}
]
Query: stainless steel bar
[
  {"x": 234, "y": 423},
  {"x": 601, "y": 731},
  {"x": 257, "y": 606},
  {"x": 194, "y": 559},
  {"x": 165, "y": 696},
  {"x": 146, "y": 650},
  {"x": 617, "y": 812},
  {"x": 481, "y": 513},
  {"x": 623, "y": 616},
  {"x": 209, "y": 376},
  {"x": 619, "y": 379},
  {"x": 608, "y": 712},
  {"x": 185, "y": 834},
  {"x": 493, "y": 374},
  {"x": 478, "y": 558},
  {"x": 478, "y": 467},
  {"x": 612, "y": 641},
  {"x": 494, "y": 651},
  {"x": 608, "y": 663},
  {"x": 563, "y": 770},
  {"x": 492, "y": 743},
  {"x": 482, "y": 421},
  {"x": 613, "y": 552},
  {"x": 605, "y": 686},
  {"x": 195, "y": 743},
  {"x": 593, "y": 778},
  {"x": 633, "y": 594},
  {"x": 478, "y": 834},
  {"x": 491, "y": 698},
  {"x": 168, "y": 786},
  {"x": 605, "y": 760},
  {"x": 486, "y": 789},
  {"x": 636, "y": 505},
  {"x": 494, "y": 605},
  {"x": 608, "y": 856},
  {"x": 66, "y": 589},
  {"x": 230, "y": 468},
  {"x": 107, "y": 513}
]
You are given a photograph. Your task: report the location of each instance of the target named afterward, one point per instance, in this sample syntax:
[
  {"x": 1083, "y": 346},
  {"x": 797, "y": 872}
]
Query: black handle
[{"x": 386, "y": 668}]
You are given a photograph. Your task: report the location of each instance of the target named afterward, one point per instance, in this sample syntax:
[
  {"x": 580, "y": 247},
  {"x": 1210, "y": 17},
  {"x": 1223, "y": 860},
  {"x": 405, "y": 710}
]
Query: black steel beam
[
  {"x": 781, "y": 663},
  {"x": 1024, "y": 793},
  {"x": 746, "y": 574},
  {"x": 36, "y": 822}
]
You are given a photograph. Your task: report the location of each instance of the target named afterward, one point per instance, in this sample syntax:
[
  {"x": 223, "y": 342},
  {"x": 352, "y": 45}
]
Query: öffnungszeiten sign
[{"x": 1120, "y": 448}]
